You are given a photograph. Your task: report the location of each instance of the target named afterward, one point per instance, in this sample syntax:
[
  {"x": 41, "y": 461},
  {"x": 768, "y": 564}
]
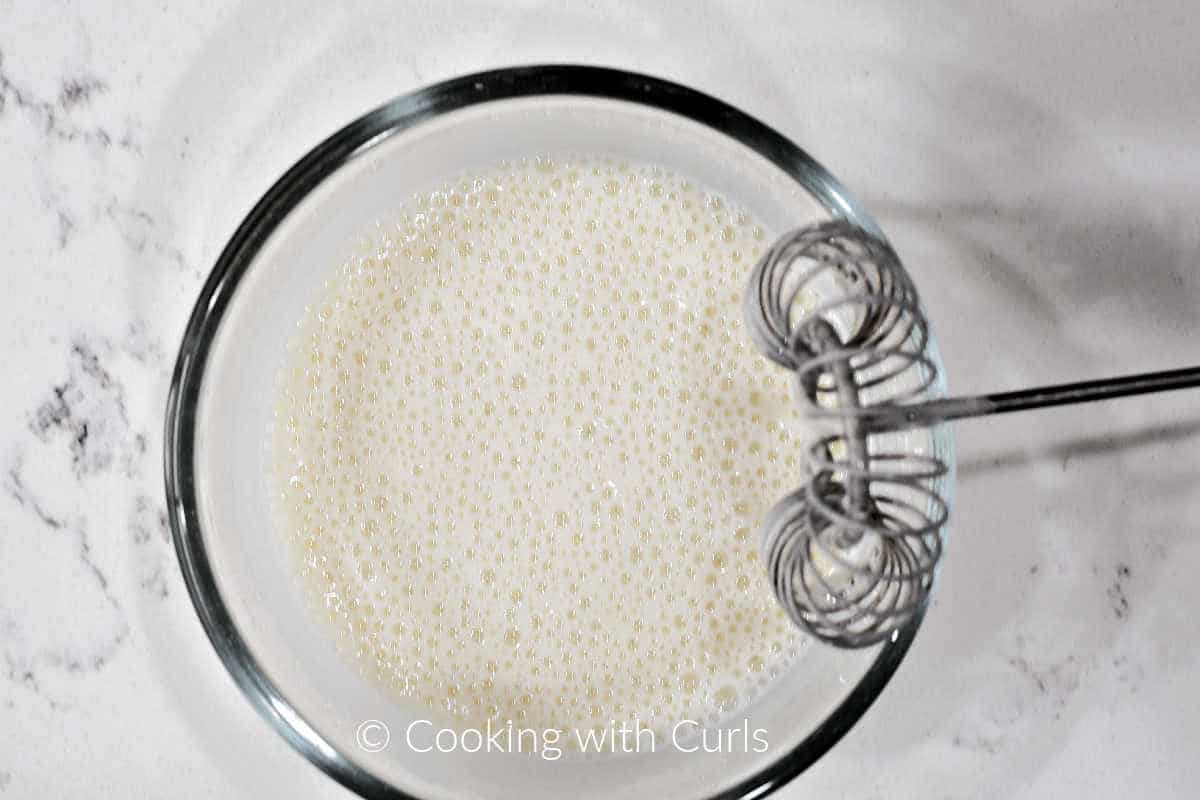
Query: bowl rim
[{"x": 237, "y": 257}]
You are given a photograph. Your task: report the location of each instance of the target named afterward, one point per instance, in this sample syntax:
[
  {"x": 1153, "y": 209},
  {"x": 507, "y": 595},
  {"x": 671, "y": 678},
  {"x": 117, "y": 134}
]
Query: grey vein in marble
[
  {"x": 151, "y": 536},
  {"x": 88, "y": 411},
  {"x": 1116, "y": 591},
  {"x": 52, "y": 117},
  {"x": 23, "y": 658},
  {"x": 83, "y": 423},
  {"x": 142, "y": 233}
]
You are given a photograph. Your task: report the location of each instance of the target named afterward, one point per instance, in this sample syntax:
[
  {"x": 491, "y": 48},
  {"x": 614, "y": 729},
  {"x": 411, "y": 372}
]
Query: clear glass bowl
[{"x": 236, "y": 564}]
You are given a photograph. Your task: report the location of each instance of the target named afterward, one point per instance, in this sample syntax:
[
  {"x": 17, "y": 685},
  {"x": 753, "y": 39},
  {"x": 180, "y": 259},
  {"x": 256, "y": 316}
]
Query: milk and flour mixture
[{"x": 523, "y": 444}]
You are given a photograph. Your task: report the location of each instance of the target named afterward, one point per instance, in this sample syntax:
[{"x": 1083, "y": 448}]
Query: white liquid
[{"x": 524, "y": 445}]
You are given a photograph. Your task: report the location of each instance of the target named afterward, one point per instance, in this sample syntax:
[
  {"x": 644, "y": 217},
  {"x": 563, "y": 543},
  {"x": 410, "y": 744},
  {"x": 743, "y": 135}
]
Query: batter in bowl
[{"x": 522, "y": 444}]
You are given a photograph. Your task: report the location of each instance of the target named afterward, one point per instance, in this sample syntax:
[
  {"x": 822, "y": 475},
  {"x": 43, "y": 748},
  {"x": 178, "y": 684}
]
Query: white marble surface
[{"x": 1035, "y": 164}]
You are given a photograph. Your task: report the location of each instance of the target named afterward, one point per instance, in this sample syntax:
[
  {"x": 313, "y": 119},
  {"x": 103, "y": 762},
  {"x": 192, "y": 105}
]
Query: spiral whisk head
[{"x": 851, "y": 554}]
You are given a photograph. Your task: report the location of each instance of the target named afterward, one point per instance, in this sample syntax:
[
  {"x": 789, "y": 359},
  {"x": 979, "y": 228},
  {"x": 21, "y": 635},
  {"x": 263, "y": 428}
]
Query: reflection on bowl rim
[{"x": 237, "y": 257}]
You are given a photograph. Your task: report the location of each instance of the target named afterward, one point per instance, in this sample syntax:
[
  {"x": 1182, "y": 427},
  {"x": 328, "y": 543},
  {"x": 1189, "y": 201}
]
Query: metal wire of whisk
[{"x": 852, "y": 553}]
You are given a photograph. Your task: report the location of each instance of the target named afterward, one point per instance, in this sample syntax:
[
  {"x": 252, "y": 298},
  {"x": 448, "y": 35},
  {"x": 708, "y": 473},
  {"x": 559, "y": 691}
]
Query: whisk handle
[{"x": 936, "y": 411}]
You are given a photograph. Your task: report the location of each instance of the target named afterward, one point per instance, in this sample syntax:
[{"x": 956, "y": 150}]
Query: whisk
[{"x": 852, "y": 553}]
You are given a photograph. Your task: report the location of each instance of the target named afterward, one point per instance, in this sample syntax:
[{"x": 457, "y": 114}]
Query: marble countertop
[{"x": 1035, "y": 164}]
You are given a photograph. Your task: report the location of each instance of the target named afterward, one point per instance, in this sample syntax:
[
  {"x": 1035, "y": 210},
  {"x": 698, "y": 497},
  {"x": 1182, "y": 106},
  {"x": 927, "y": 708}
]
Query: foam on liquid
[{"x": 524, "y": 443}]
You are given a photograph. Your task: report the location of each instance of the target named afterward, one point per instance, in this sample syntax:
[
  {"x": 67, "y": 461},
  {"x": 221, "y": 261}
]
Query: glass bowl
[{"x": 235, "y": 562}]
